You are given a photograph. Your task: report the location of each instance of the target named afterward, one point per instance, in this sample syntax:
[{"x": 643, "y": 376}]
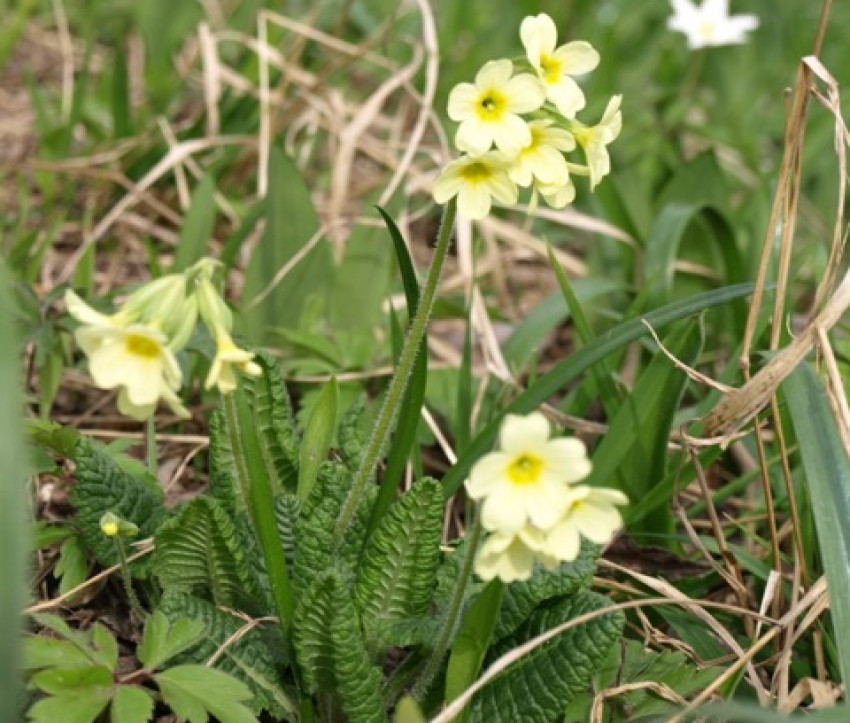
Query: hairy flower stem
[
  {"x": 254, "y": 486},
  {"x": 453, "y": 613},
  {"x": 135, "y": 605},
  {"x": 151, "y": 447},
  {"x": 398, "y": 383}
]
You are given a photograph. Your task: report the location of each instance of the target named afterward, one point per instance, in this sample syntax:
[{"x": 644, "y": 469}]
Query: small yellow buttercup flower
[
  {"x": 489, "y": 110},
  {"x": 476, "y": 181},
  {"x": 554, "y": 66},
  {"x": 592, "y": 513},
  {"x": 527, "y": 480}
]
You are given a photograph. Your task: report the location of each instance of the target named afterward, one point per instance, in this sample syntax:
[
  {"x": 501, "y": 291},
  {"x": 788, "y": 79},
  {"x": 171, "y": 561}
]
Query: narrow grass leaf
[
  {"x": 197, "y": 226},
  {"x": 828, "y": 476}
]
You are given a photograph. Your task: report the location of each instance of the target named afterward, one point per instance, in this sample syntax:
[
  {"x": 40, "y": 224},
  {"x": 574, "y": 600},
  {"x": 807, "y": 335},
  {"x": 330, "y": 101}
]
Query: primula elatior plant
[
  {"x": 518, "y": 124},
  {"x": 328, "y": 596}
]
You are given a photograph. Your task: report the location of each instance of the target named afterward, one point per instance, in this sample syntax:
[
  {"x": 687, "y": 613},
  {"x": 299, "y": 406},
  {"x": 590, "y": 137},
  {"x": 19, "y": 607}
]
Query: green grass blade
[
  {"x": 13, "y": 532},
  {"x": 827, "y": 471},
  {"x": 197, "y": 226},
  {"x": 564, "y": 372}
]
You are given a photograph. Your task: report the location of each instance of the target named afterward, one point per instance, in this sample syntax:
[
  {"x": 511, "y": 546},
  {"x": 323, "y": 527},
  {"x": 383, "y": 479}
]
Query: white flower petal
[
  {"x": 462, "y": 101},
  {"x": 547, "y": 505},
  {"x": 578, "y": 57},
  {"x": 525, "y": 93},
  {"x": 539, "y": 36},
  {"x": 473, "y": 202},
  {"x": 486, "y": 474},
  {"x": 504, "y": 510}
]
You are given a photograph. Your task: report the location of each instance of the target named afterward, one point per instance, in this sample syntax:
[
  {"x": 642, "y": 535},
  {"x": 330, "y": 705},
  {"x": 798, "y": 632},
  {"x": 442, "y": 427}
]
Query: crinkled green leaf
[
  {"x": 102, "y": 486},
  {"x": 397, "y": 576},
  {"x": 537, "y": 687},
  {"x": 255, "y": 658},
  {"x": 287, "y": 508},
  {"x": 277, "y": 437},
  {"x": 352, "y": 434},
  {"x": 521, "y": 598},
  {"x": 131, "y": 704},
  {"x": 194, "y": 690},
  {"x": 314, "y": 550},
  {"x": 331, "y": 651},
  {"x": 200, "y": 551}
]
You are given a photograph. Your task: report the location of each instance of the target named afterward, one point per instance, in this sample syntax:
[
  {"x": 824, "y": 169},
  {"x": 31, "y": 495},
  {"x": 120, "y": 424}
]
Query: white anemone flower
[
  {"x": 595, "y": 139},
  {"x": 555, "y": 66},
  {"x": 476, "y": 181},
  {"x": 710, "y": 24},
  {"x": 511, "y": 556},
  {"x": 489, "y": 109},
  {"x": 543, "y": 159},
  {"x": 527, "y": 480},
  {"x": 592, "y": 513}
]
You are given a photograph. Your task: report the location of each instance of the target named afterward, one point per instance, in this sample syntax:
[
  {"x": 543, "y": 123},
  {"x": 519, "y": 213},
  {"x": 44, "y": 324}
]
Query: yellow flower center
[
  {"x": 707, "y": 29},
  {"x": 142, "y": 346},
  {"x": 476, "y": 173},
  {"x": 525, "y": 470},
  {"x": 584, "y": 136},
  {"x": 492, "y": 106},
  {"x": 551, "y": 69}
]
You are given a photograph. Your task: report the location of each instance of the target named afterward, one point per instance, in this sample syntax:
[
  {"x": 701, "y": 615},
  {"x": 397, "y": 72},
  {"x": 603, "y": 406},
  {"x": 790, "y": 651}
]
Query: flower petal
[{"x": 521, "y": 433}]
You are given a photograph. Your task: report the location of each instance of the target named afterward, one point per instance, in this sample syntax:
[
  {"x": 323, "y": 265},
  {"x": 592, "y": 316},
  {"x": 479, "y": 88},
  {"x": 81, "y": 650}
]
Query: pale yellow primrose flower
[
  {"x": 592, "y": 513},
  {"x": 554, "y": 66},
  {"x": 228, "y": 356},
  {"x": 543, "y": 159},
  {"x": 710, "y": 24},
  {"x": 595, "y": 139},
  {"x": 489, "y": 110},
  {"x": 476, "y": 181},
  {"x": 132, "y": 356},
  {"x": 528, "y": 479},
  {"x": 511, "y": 556},
  {"x": 557, "y": 195}
]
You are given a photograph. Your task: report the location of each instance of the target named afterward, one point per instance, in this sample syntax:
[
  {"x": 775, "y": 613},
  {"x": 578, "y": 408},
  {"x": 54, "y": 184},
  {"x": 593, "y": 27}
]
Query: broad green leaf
[
  {"x": 827, "y": 472},
  {"x": 45, "y": 534},
  {"x": 471, "y": 643},
  {"x": 41, "y": 652},
  {"x": 14, "y": 536},
  {"x": 97, "y": 644},
  {"x": 163, "y": 640},
  {"x": 200, "y": 551},
  {"x": 131, "y": 704},
  {"x": 71, "y": 567},
  {"x": 564, "y": 372},
  {"x": 398, "y": 572},
  {"x": 82, "y": 706},
  {"x": 542, "y": 683},
  {"x": 331, "y": 652},
  {"x": 410, "y": 408},
  {"x": 318, "y": 436},
  {"x": 194, "y": 690},
  {"x": 291, "y": 223},
  {"x": 407, "y": 711},
  {"x": 253, "y": 657},
  {"x": 69, "y": 681},
  {"x": 197, "y": 226}
]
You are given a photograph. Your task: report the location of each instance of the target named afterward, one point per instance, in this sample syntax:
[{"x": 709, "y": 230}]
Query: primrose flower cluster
[
  {"x": 531, "y": 508},
  {"x": 134, "y": 350},
  {"x": 518, "y": 122}
]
